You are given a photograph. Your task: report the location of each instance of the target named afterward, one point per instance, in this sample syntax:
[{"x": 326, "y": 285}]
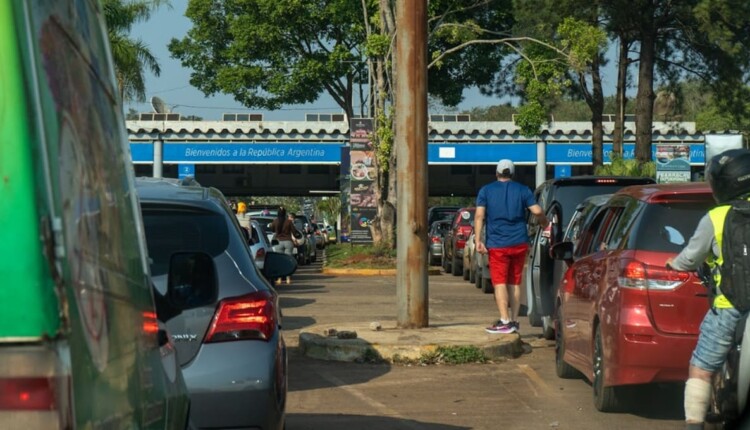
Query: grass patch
[
  {"x": 345, "y": 255},
  {"x": 445, "y": 355}
]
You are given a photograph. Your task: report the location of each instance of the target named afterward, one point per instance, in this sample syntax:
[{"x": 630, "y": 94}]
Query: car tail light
[
  {"x": 606, "y": 181},
  {"x": 635, "y": 274},
  {"x": 435, "y": 239},
  {"x": 34, "y": 388},
  {"x": 260, "y": 254},
  {"x": 242, "y": 318}
]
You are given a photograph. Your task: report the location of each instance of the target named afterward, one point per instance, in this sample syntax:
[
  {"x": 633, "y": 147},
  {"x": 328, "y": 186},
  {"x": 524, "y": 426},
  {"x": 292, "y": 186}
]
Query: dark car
[
  {"x": 307, "y": 247},
  {"x": 232, "y": 352},
  {"x": 622, "y": 317},
  {"x": 455, "y": 240},
  {"x": 441, "y": 213},
  {"x": 436, "y": 236},
  {"x": 559, "y": 199}
]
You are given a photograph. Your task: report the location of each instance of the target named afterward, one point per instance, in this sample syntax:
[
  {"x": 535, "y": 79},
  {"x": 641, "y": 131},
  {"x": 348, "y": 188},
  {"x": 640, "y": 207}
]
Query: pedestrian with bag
[
  {"x": 502, "y": 206},
  {"x": 283, "y": 232},
  {"x": 721, "y": 239}
]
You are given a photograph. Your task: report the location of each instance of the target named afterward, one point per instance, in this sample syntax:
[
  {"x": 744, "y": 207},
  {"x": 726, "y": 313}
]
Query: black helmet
[{"x": 728, "y": 174}]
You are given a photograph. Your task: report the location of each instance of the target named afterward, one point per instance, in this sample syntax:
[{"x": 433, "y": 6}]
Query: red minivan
[
  {"x": 455, "y": 240},
  {"x": 622, "y": 317}
]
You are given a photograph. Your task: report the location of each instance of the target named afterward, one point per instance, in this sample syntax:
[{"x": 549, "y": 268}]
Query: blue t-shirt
[{"x": 505, "y": 206}]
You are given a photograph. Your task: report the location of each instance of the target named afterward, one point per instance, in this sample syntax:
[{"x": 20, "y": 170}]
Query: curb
[
  {"x": 349, "y": 350},
  {"x": 370, "y": 272}
]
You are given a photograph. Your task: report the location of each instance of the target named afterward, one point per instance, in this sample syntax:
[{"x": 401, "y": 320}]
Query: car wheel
[
  {"x": 466, "y": 273},
  {"x": 563, "y": 369},
  {"x": 606, "y": 399},
  {"x": 447, "y": 263},
  {"x": 455, "y": 267},
  {"x": 478, "y": 279},
  {"x": 487, "y": 287},
  {"x": 472, "y": 275},
  {"x": 548, "y": 328}
]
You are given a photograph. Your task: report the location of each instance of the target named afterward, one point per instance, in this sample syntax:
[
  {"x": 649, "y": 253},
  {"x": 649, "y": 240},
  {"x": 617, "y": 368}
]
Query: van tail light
[
  {"x": 34, "y": 388},
  {"x": 260, "y": 254},
  {"x": 248, "y": 317},
  {"x": 635, "y": 274}
]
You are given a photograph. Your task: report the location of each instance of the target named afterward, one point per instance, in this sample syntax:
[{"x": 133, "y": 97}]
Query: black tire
[
  {"x": 606, "y": 399},
  {"x": 548, "y": 328},
  {"x": 444, "y": 263},
  {"x": 472, "y": 275},
  {"x": 487, "y": 287},
  {"x": 466, "y": 273},
  {"x": 563, "y": 369},
  {"x": 478, "y": 279},
  {"x": 448, "y": 267},
  {"x": 456, "y": 269}
]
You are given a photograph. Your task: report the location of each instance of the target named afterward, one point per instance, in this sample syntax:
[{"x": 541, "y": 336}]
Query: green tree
[
  {"x": 131, "y": 57},
  {"x": 706, "y": 39},
  {"x": 132, "y": 115},
  {"x": 269, "y": 53}
]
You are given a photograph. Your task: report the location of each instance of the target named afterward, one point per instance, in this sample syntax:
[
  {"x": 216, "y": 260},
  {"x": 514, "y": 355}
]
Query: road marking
[{"x": 535, "y": 378}]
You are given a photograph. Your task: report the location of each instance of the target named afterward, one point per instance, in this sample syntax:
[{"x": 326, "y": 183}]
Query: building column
[
  {"x": 158, "y": 158},
  {"x": 541, "y": 162}
]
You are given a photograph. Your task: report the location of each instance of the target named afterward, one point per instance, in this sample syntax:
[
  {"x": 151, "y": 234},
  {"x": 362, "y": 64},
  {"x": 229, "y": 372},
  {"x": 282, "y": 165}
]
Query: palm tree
[{"x": 130, "y": 56}]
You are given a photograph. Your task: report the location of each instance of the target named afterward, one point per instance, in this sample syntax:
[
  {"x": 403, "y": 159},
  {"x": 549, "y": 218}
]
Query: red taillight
[
  {"x": 150, "y": 324},
  {"x": 606, "y": 181},
  {"x": 639, "y": 275},
  {"x": 435, "y": 239},
  {"x": 27, "y": 394},
  {"x": 260, "y": 254},
  {"x": 241, "y": 318}
]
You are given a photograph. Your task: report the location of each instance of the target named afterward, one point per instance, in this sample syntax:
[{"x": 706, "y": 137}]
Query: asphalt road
[{"x": 522, "y": 393}]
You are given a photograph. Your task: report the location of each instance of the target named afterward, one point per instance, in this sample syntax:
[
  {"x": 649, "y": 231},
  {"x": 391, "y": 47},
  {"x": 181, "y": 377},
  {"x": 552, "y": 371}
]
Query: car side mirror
[
  {"x": 191, "y": 282},
  {"x": 278, "y": 265},
  {"x": 562, "y": 251}
]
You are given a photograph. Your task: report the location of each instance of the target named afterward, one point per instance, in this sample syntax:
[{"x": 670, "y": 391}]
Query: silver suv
[{"x": 231, "y": 351}]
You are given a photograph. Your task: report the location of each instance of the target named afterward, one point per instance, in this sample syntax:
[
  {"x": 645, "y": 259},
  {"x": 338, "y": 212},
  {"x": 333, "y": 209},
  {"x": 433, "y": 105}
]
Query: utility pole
[{"x": 411, "y": 162}]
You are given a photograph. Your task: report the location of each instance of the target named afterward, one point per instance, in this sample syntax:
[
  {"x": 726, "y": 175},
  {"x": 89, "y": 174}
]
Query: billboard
[{"x": 362, "y": 180}]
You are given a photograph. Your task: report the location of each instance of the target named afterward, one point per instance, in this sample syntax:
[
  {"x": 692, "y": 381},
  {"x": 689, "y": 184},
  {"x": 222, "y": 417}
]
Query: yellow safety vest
[{"x": 717, "y": 216}]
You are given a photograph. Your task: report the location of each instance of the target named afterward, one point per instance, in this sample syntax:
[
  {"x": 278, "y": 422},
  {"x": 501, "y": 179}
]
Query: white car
[{"x": 259, "y": 245}]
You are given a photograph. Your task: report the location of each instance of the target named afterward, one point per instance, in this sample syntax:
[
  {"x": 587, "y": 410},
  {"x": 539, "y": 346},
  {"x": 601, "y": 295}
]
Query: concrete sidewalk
[{"x": 323, "y": 312}]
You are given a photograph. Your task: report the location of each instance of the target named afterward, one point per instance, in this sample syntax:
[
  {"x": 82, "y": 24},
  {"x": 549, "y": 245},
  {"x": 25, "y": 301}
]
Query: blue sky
[{"x": 174, "y": 87}]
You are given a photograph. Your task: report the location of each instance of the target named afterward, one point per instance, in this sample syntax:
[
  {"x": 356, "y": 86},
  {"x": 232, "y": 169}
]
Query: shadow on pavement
[
  {"x": 308, "y": 275},
  {"x": 654, "y": 401},
  {"x": 307, "y": 373},
  {"x": 293, "y": 302},
  {"x": 300, "y": 288},
  {"x": 359, "y": 422},
  {"x": 296, "y": 323}
]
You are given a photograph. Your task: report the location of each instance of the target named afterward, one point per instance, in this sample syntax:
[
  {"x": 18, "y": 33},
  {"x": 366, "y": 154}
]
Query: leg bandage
[{"x": 697, "y": 396}]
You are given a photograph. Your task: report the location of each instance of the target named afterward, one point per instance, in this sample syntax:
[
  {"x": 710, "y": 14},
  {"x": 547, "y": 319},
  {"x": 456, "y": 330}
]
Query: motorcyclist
[{"x": 728, "y": 174}]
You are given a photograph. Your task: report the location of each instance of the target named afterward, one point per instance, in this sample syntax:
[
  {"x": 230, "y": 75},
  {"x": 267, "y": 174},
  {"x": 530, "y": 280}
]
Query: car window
[
  {"x": 570, "y": 196},
  {"x": 605, "y": 231},
  {"x": 441, "y": 214},
  {"x": 585, "y": 245},
  {"x": 667, "y": 227},
  {"x": 254, "y": 234},
  {"x": 620, "y": 231},
  {"x": 173, "y": 230}
]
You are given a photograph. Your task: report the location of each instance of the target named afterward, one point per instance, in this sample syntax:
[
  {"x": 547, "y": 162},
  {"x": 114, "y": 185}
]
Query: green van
[{"x": 82, "y": 335}]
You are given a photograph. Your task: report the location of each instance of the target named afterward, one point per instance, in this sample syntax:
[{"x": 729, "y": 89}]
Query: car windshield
[
  {"x": 173, "y": 230},
  {"x": 667, "y": 227},
  {"x": 570, "y": 196},
  {"x": 441, "y": 214}
]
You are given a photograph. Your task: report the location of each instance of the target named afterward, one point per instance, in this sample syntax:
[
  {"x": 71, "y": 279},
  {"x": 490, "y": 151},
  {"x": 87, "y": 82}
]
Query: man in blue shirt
[{"x": 504, "y": 203}]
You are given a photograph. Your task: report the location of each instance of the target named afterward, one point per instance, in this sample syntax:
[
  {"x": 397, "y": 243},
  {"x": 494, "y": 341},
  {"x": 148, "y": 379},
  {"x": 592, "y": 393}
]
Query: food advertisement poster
[
  {"x": 362, "y": 180},
  {"x": 672, "y": 163}
]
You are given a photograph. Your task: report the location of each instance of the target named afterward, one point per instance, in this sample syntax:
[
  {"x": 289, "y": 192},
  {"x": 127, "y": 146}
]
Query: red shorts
[{"x": 506, "y": 264}]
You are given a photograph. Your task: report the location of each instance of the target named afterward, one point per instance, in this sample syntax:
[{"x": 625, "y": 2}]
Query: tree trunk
[
  {"x": 644, "y": 104},
  {"x": 597, "y": 109},
  {"x": 618, "y": 136}
]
